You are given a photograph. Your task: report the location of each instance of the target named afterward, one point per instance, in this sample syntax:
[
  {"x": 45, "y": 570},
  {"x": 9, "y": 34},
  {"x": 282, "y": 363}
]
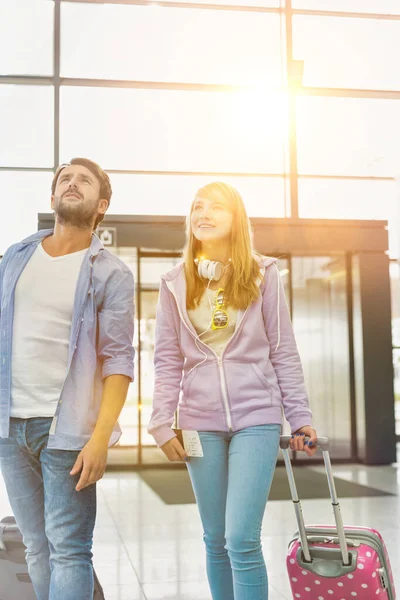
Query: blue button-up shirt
[{"x": 100, "y": 341}]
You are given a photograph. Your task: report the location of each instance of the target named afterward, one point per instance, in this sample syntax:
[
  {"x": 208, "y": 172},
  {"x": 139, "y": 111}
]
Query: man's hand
[
  {"x": 297, "y": 442},
  {"x": 174, "y": 451},
  {"x": 91, "y": 462}
]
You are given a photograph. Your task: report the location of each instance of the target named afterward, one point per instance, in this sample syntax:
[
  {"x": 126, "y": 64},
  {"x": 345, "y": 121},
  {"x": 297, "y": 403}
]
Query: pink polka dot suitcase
[{"x": 335, "y": 563}]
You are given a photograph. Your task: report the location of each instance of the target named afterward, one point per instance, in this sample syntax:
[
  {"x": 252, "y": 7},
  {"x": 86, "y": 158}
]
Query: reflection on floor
[{"x": 147, "y": 550}]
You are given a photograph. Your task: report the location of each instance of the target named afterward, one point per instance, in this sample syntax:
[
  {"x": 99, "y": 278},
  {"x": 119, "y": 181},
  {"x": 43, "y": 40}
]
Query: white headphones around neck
[{"x": 210, "y": 269}]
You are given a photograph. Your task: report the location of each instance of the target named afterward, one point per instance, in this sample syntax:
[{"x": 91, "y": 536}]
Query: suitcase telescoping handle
[{"x": 323, "y": 443}]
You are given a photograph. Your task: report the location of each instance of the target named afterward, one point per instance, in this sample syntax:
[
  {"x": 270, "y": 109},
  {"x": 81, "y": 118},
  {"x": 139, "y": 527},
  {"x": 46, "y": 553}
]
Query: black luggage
[{"x": 15, "y": 582}]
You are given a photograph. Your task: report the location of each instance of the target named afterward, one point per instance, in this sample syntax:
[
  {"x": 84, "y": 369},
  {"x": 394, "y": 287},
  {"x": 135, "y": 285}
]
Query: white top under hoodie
[{"x": 201, "y": 318}]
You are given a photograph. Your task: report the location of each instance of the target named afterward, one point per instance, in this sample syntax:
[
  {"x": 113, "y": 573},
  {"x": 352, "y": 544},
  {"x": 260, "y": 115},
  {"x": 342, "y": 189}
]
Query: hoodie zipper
[
  {"x": 224, "y": 391},
  {"x": 222, "y": 372}
]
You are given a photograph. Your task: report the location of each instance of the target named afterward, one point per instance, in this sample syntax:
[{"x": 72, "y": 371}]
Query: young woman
[{"x": 226, "y": 363}]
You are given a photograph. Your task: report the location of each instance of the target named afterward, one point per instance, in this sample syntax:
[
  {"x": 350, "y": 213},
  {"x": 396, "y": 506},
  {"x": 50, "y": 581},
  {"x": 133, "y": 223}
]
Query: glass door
[
  {"x": 136, "y": 446},
  {"x": 317, "y": 295},
  {"x": 151, "y": 266},
  {"x": 321, "y": 325}
]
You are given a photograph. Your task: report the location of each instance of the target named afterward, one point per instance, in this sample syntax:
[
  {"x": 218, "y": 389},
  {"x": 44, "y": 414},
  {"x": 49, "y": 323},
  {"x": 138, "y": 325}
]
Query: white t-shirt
[
  {"x": 201, "y": 320},
  {"x": 44, "y": 300}
]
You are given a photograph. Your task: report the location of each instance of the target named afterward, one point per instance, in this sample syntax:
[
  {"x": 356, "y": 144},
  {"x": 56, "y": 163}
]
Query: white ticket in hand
[{"x": 192, "y": 443}]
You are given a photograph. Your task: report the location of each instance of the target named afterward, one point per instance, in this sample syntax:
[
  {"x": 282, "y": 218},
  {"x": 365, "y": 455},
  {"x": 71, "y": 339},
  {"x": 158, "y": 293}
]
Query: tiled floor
[{"x": 146, "y": 550}]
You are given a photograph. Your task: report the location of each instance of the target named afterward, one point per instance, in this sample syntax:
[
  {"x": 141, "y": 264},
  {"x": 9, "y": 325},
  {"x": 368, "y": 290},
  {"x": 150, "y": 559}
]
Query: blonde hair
[{"x": 242, "y": 288}]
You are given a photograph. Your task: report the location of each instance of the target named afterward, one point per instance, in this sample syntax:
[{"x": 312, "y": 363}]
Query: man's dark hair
[{"x": 97, "y": 171}]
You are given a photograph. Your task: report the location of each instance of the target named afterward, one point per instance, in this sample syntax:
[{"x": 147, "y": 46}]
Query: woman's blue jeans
[{"x": 231, "y": 484}]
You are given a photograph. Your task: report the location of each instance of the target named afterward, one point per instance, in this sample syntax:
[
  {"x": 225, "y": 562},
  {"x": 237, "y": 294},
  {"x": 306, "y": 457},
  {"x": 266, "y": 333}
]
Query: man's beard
[{"x": 75, "y": 214}]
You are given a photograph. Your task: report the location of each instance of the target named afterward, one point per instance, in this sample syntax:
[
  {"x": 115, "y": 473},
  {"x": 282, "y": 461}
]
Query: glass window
[
  {"x": 172, "y": 194},
  {"x": 348, "y": 52},
  {"x": 348, "y": 136},
  {"x": 346, "y": 199},
  {"x": 170, "y": 130},
  {"x": 26, "y": 37},
  {"x": 155, "y": 43},
  {"x": 241, "y": 3},
  {"x": 351, "y": 199},
  {"x": 26, "y": 125},
  {"x": 24, "y": 194},
  {"x": 388, "y": 7}
]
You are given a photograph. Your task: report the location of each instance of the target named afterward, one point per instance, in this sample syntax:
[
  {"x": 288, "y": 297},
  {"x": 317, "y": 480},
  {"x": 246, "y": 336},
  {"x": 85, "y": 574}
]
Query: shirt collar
[{"x": 96, "y": 244}]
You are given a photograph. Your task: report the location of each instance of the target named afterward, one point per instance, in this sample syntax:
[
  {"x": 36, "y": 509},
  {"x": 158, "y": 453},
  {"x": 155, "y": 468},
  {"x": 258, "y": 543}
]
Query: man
[{"x": 66, "y": 361}]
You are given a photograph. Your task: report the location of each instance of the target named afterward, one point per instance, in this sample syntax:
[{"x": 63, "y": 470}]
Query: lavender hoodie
[{"x": 258, "y": 374}]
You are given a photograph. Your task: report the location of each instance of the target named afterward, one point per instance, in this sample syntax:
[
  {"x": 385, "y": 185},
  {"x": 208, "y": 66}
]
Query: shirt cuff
[
  {"x": 117, "y": 366},
  {"x": 162, "y": 434},
  {"x": 301, "y": 420}
]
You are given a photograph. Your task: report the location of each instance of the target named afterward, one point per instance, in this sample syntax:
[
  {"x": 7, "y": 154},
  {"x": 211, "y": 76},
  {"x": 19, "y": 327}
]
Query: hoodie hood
[{"x": 176, "y": 282}]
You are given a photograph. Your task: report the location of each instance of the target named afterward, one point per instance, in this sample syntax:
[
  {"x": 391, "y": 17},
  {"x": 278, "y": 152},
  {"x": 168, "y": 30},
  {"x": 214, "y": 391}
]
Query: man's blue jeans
[
  {"x": 56, "y": 521},
  {"x": 231, "y": 484}
]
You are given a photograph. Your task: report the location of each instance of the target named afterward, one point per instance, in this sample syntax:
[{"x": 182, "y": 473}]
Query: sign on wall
[{"x": 108, "y": 236}]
